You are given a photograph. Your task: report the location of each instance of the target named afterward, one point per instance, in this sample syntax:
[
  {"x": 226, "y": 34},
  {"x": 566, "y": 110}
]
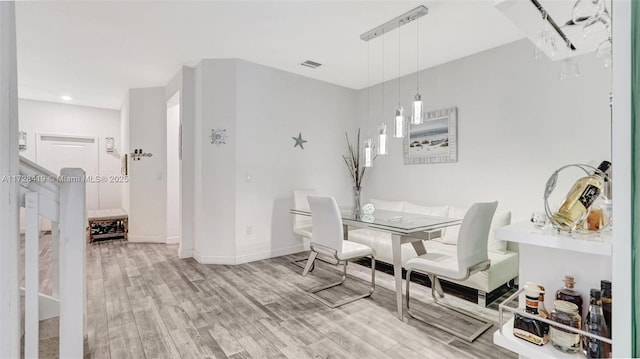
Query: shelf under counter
[
  {"x": 527, "y": 233},
  {"x": 507, "y": 340}
]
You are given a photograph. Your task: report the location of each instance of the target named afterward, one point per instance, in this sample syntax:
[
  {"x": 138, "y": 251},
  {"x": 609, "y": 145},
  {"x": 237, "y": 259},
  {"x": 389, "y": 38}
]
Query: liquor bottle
[
  {"x": 595, "y": 324},
  {"x": 542, "y": 311},
  {"x": 531, "y": 330},
  {"x": 605, "y": 292},
  {"x": 565, "y": 313},
  {"x": 567, "y": 293},
  {"x": 584, "y": 192}
]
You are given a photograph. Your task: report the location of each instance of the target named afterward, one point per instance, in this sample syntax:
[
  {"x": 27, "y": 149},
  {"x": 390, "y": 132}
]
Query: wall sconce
[
  {"x": 22, "y": 141},
  {"x": 110, "y": 144}
]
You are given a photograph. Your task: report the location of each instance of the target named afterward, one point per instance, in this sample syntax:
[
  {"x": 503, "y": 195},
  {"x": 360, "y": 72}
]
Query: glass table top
[{"x": 396, "y": 222}]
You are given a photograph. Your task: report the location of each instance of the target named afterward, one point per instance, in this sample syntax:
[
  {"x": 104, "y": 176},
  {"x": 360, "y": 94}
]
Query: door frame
[
  {"x": 175, "y": 99},
  {"x": 96, "y": 141}
]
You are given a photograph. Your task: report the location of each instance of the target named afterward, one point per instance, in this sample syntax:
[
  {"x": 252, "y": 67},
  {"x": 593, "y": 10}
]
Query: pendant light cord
[
  {"x": 418, "y": 55},
  {"x": 399, "y": 102},
  {"x": 382, "y": 74},
  {"x": 368, "y": 80}
]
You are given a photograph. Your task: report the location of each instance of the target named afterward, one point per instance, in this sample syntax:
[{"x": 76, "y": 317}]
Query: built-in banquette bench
[{"x": 503, "y": 256}]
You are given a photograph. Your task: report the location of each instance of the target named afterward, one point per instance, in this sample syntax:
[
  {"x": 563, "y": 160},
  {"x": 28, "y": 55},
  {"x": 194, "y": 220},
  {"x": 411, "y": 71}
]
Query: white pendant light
[
  {"x": 417, "y": 110},
  {"x": 368, "y": 153},
  {"x": 382, "y": 139},
  {"x": 417, "y": 100},
  {"x": 398, "y": 128},
  {"x": 398, "y": 120}
]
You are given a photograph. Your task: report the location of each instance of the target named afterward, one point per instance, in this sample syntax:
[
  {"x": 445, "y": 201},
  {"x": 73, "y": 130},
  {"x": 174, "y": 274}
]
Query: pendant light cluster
[{"x": 398, "y": 115}]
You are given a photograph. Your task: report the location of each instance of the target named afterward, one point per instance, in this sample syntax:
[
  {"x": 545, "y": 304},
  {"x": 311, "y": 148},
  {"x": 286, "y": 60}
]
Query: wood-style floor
[{"x": 145, "y": 302}]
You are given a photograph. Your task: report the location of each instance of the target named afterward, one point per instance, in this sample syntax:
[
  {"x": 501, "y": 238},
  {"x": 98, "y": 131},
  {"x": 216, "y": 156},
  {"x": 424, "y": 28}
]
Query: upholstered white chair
[
  {"x": 471, "y": 256},
  {"x": 302, "y": 224},
  {"x": 328, "y": 238}
]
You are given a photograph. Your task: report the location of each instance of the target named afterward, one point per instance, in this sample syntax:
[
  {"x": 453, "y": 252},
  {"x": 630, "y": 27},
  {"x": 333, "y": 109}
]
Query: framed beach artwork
[{"x": 433, "y": 141}]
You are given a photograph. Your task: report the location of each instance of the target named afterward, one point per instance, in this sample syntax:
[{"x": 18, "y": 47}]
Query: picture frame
[{"x": 433, "y": 141}]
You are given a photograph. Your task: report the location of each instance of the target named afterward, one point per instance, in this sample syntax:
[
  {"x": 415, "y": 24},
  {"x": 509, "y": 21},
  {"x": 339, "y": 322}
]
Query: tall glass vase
[{"x": 356, "y": 201}]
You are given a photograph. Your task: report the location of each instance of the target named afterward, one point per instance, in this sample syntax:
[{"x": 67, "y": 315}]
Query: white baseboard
[
  {"x": 173, "y": 240},
  {"x": 249, "y": 257},
  {"x": 213, "y": 259},
  {"x": 147, "y": 239},
  {"x": 186, "y": 253}
]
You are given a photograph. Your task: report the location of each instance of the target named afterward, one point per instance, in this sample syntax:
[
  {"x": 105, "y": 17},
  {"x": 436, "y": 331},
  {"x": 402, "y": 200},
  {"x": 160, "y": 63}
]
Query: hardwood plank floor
[{"x": 145, "y": 302}]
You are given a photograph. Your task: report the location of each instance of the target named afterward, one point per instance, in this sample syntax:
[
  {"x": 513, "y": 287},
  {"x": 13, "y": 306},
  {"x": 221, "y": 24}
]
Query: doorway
[
  {"x": 174, "y": 170},
  {"x": 55, "y": 152}
]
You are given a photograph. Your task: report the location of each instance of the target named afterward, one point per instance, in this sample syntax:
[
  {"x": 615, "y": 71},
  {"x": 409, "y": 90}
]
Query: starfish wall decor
[{"x": 299, "y": 141}]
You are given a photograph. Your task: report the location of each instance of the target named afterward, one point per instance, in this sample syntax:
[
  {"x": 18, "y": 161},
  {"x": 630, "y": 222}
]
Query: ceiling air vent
[{"x": 311, "y": 64}]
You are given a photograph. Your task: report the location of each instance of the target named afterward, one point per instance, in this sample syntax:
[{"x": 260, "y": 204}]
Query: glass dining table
[{"x": 403, "y": 227}]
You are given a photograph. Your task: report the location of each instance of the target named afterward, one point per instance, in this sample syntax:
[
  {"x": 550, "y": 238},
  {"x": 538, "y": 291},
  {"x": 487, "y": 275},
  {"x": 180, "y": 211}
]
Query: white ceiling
[{"x": 95, "y": 51}]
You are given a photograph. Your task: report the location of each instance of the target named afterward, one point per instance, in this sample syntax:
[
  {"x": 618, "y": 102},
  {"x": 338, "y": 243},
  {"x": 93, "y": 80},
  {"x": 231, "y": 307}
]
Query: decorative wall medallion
[
  {"x": 218, "y": 136},
  {"x": 299, "y": 141}
]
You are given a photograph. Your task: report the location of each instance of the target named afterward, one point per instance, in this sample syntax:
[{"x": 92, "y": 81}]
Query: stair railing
[{"x": 62, "y": 200}]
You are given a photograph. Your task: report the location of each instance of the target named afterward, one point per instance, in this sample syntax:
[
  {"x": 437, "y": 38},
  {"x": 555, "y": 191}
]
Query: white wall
[
  {"x": 517, "y": 123},
  {"x": 183, "y": 82},
  {"x": 147, "y": 177},
  {"x": 62, "y": 119},
  {"x": 173, "y": 174},
  {"x": 247, "y": 183},
  {"x": 215, "y": 166},
  {"x": 272, "y": 107}
]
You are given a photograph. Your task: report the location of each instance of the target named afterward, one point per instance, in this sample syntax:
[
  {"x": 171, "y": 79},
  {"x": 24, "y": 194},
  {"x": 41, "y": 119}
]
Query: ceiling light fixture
[
  {"x": 66, "y": 98},
  {"x": 395, "y": 23},
  {"x": 398, "y": 123}
]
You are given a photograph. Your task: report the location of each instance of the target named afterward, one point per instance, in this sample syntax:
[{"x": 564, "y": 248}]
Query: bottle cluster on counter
[{"x": 567, "y": 310}]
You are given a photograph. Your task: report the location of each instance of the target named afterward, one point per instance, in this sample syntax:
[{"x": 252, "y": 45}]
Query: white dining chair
[
  {"x": 302, "y": 224},
  {"x": 471, "y": 257},
  {"x": 328, "y": 238}
]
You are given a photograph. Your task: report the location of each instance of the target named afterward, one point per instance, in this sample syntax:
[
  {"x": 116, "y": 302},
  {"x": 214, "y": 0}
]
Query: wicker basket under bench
[{"x": 107, "y": 224}]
